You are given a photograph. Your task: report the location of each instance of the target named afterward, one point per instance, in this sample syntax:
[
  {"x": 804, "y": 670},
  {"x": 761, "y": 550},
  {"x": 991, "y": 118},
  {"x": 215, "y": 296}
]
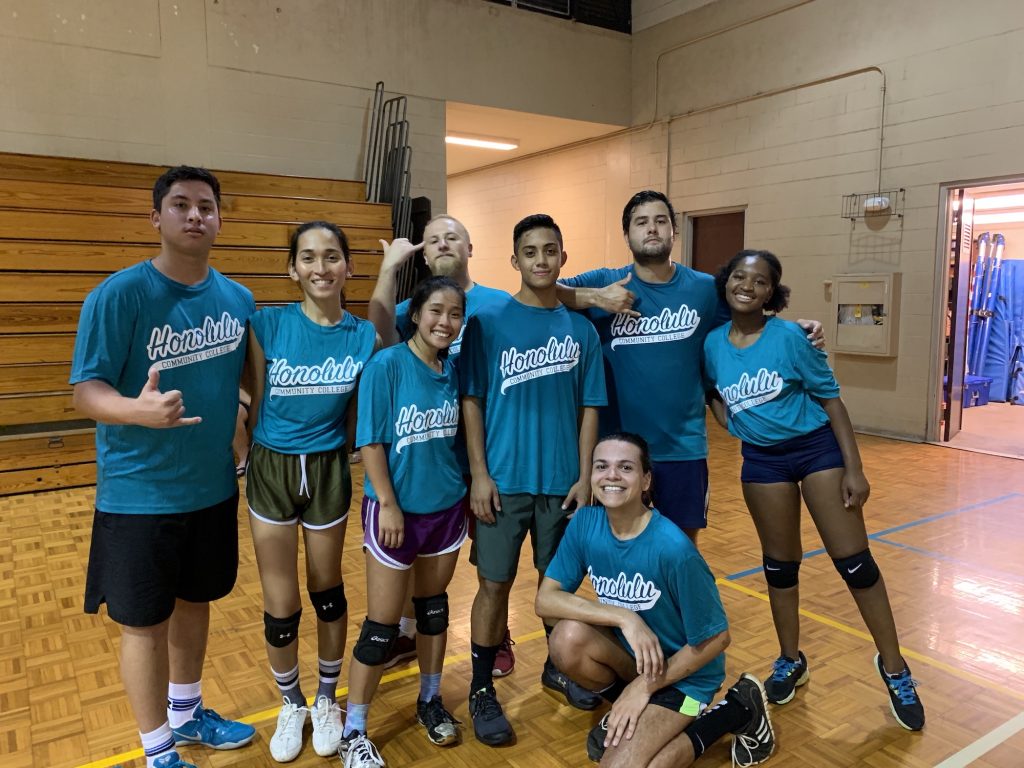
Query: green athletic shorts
[
  {"x": 498, "y": 544},
  {"x": 285, "y": 488}
]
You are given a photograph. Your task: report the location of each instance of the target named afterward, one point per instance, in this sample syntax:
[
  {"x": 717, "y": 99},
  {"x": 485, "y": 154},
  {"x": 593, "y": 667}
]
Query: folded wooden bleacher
[{"x": 65, "y": 224}]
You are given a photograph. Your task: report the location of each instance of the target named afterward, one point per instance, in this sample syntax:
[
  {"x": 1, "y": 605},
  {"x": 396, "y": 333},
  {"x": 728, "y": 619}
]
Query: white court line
[{"x": 989, "y": 741}]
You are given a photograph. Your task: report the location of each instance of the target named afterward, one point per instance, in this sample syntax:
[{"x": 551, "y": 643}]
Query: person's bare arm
[
  {"x": 614, "y": 298},
  {"x": 390, "y": 521},
  {"x": 855, "y": 485},
  {"x": 150, "y": 408},
  {"x": 579, "y": 494},
  {"x": 381, "y": 310},
  {"x": 554, "y": 603},
  {"x": 626, "y": 710},
  {"x": 483, "y": 493},
  {"x": 256, "y": 363}
]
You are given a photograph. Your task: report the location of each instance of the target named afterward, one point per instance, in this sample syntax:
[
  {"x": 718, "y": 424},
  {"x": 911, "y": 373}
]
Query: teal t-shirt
[
  {"x": 310, "y": 377},
  {"x": 195, "y": 334},
  {"x": 659, "y": 575},
  {"x": 533, "y": 369},
  {"x": 770, "y": 387},
  {"x": 414, "y": 412},
  {"x": 478, "y": 297},
  {"x": 653, "y": 362}
]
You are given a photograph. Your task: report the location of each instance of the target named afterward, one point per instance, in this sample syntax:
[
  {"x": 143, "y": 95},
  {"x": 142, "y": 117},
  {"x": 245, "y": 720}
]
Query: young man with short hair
[
  {"x": 532, "y": 383},
  {"x": 157, "y": 363}
]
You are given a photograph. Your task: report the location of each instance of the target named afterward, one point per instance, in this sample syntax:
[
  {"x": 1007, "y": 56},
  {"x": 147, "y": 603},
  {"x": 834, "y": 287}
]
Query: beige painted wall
[
  {"x": 954, "y": 110},
  {"x": 283, "y": 87},
  {"x": 582, "y": 189},
  {"x": 1014, "y": 234}
]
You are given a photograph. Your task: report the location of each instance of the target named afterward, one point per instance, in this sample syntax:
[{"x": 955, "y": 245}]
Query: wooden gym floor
[{"x": 947, "y": 528}]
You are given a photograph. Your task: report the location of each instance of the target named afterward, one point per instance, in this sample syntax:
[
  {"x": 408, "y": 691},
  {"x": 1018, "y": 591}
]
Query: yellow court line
[
  {"x": 270, "y": 714},
  {"x": 970, "y": 677}
]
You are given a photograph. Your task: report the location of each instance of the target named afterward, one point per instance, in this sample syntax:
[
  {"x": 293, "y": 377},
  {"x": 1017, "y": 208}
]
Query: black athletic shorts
[{"x": 139, "y": 564}]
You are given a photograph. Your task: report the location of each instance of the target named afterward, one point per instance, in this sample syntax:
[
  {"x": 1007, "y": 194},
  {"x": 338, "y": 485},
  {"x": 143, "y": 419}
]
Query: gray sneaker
[{"x": 489, "y": 722}]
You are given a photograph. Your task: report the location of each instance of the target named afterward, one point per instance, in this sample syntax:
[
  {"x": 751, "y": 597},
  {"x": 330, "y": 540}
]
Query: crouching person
[{"x": 653, "y": 643}]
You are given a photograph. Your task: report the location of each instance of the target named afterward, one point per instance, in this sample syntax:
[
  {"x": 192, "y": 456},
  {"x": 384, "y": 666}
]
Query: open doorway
[{"x": 979, "y": 402}]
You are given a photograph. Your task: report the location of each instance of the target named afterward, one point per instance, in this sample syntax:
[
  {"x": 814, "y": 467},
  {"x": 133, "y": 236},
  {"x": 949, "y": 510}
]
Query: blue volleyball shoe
[{"x": 209, "y": 729}]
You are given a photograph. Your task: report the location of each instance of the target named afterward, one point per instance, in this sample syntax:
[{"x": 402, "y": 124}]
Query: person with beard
[{"x": 652, "y": 317}]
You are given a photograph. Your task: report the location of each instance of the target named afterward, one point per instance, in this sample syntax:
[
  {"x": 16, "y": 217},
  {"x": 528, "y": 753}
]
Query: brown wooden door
[{"x": 717, "y": 237}]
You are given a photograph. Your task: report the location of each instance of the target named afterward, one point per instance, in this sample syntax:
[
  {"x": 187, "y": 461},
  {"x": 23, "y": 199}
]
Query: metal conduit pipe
[
  {"x": 657, "y": 83},
  {"x": 702, "y": 110}
]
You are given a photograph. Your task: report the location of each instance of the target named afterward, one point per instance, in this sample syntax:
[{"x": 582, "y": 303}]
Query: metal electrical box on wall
[{"x": 867, "y": 312}]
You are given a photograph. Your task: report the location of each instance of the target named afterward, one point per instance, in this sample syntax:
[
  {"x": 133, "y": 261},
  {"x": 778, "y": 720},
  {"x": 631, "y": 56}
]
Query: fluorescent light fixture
[
  {"x": 1001, "y": 201},
  {"x": 482, "y": 142},
  {"x": 999, "y": 218}
]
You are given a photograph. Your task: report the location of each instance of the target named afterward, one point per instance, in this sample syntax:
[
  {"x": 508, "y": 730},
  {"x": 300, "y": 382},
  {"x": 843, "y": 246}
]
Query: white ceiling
[{"x": 532, "y": 132}]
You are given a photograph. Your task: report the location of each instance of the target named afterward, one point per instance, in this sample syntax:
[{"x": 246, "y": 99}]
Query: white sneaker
[
  {"x": 361, "y": 753},
  {"x": 286, "y": 743},
  {"x": 326, "y": 717}
]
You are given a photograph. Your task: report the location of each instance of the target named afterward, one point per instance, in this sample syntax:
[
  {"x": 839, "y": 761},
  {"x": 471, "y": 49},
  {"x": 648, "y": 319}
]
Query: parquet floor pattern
[{"x": 953, "y": 567}]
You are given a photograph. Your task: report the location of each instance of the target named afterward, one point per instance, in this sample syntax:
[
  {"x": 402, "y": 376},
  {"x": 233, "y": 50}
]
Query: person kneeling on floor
[{"x": 653, "y": 643}]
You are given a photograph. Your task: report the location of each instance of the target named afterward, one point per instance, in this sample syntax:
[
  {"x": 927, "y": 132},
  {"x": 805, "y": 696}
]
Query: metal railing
[
  {"x": 388, "y": 158},
  {"x": 387, "y": 170}
]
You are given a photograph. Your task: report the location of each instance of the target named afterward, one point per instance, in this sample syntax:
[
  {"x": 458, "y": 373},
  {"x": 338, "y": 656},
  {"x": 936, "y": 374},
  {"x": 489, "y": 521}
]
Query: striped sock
[
  {"x": 288, "y": 683},
  {"x": 157, "y": 743},
  {"x": 329, "y": 673},
  {"x": 182, "y": 700}
]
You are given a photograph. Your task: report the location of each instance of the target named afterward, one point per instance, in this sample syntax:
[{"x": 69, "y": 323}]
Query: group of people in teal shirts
[{"x": 572, "y": 411}]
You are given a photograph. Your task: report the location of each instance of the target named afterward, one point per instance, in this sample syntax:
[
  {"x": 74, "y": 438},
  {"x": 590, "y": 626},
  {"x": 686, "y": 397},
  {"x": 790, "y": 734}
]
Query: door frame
[
  {"x": 933, "y": 432},
  {"x": 686, "y": 256}
]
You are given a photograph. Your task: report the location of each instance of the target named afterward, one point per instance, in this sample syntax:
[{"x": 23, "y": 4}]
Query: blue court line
[
  {"x": 904, "y": 526},
  {"x": 994, "y": 572}
]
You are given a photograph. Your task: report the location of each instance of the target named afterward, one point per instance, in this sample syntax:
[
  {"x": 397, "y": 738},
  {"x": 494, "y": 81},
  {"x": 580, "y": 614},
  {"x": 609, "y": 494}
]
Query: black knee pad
[
  {"x": 431, "y": 614},
  {"x": 375, "y": 642},
  {"x": 330, "y": 604},
  {"x": 781, "y": 574},
  {"x": 859, "y": 571},
  {"x": 281, "y": 632}
]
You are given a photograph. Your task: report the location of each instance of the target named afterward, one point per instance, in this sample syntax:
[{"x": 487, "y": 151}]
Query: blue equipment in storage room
[{"x": 1003, "y": 356}]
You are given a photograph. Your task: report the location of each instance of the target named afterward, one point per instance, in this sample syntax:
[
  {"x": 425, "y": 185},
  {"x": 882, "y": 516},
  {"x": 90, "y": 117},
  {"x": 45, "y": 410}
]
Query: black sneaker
[
  {"x": 576, "y": 695},
  {"x": 903, "y": 699},
  {"x": 755, "y": 741},
  {"x": 442, "y": 728},
  {"x": 787, "y": 674},
  {"x": 489, "y": 723},
  {"x": 595, "y": 739}
]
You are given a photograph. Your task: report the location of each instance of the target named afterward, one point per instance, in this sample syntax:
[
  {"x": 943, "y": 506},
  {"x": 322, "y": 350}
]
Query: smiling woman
[{"x": 305, "y": 360}]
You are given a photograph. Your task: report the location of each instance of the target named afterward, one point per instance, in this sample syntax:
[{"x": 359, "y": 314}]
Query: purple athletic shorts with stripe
[{"x": 437, "y": 533}]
